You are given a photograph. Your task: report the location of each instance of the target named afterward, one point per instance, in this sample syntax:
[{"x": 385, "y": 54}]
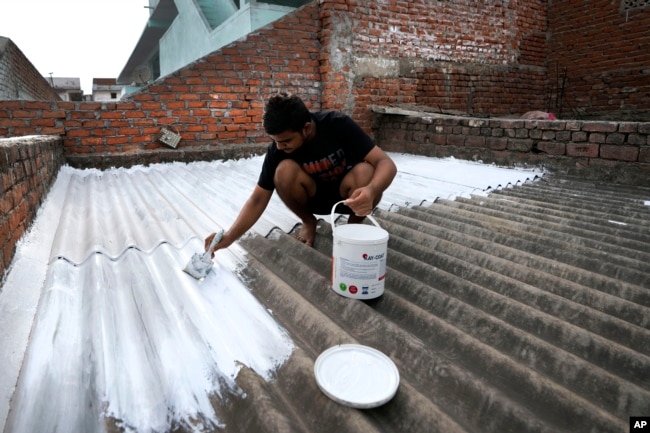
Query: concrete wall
[
  {"x": 185, "y": 40},
  {"x": 19, "y": 79},
  {"x": 28, "y": 166}
]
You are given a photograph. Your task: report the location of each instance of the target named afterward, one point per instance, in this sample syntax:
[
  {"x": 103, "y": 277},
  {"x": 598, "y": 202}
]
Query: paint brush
[{"x": 200, "y": 264}]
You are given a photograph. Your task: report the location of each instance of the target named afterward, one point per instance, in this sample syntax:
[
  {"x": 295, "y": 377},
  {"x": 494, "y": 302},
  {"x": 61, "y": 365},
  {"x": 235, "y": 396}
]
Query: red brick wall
[
  {"x": 605, "y": 52},
  {"x": 28, "y": 168},
  {"x": 478, "y": 57},
  {"x": 483, "y": 91},
  {"x": 334, "y": 54}
]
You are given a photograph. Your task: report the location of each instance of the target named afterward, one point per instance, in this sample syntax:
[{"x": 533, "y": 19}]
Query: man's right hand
[{"x": 208, "y": 241}]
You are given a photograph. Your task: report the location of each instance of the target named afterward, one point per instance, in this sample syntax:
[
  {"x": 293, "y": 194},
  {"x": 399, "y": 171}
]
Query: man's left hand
[{"x": 361, "y": 201}]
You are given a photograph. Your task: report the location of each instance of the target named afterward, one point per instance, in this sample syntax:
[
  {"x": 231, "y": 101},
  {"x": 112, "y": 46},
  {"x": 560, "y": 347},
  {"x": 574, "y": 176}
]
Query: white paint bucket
[{"x": 358, "y": 259}]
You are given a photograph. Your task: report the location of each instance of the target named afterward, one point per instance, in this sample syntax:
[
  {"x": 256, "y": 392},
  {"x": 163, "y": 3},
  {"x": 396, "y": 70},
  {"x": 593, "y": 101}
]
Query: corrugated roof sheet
[{"x": 525, "y": 309}]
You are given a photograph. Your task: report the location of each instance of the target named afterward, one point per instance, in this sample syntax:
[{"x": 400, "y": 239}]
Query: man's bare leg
[{"x": 295, "y": 187}]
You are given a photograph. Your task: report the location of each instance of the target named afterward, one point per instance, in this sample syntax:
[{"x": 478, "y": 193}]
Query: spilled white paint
[{"x": 120, "y": 334}]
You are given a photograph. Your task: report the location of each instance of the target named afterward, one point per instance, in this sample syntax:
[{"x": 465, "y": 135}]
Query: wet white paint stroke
[
  {"x": 141, "y": 342},
  {"x": 128, "y": 336}
]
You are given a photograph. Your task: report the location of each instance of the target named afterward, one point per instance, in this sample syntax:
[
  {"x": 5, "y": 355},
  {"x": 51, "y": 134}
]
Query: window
[{"x": 113, "y": 95}]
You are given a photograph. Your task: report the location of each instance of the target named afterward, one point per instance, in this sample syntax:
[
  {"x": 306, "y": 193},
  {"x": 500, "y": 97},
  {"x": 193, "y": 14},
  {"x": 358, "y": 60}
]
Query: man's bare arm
[{"x": 248, "y": 216}]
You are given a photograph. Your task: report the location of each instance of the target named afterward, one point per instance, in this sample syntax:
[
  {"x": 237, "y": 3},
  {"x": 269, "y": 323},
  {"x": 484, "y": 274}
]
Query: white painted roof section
[
  {"x": 118, "y": 330},
  {"x": 423, "y": 179}
]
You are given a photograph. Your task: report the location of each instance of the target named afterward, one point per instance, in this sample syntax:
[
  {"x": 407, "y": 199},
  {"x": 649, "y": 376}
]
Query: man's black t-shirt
[{"x": 339, "y": 145}]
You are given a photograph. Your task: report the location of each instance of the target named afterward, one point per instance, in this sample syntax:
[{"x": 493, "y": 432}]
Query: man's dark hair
[{"x": 285, "y": 112}]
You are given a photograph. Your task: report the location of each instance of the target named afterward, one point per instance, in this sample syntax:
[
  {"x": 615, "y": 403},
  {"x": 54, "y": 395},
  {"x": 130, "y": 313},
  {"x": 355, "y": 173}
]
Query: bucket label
[{"x": 354, "y": 270}]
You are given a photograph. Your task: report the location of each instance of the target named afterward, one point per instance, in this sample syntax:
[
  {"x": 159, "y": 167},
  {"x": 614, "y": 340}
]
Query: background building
[
  {"x": 68, "y": 88},
  {"x": 106, "y": 89},
  {"x": 180, "y": 32}
]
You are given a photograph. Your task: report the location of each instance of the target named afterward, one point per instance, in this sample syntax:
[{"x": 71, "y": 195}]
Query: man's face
[{"x": 289, "y": 141}]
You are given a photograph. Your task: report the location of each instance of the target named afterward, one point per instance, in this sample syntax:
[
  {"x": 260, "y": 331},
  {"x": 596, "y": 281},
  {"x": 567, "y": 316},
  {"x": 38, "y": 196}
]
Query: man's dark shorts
[{"x": 327, "y": 194}]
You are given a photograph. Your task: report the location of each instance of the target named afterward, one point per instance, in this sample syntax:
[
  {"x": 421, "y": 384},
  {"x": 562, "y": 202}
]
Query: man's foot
[{"x": 307, "y": 232}]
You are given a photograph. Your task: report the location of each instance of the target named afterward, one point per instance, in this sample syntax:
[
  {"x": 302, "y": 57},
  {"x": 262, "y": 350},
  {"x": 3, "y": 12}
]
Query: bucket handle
[{"x": 370, "y": 217}]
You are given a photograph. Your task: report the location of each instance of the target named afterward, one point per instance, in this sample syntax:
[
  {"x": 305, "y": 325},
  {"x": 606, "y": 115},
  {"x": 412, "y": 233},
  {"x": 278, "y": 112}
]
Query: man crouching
[{"x": 315, "y": 160}]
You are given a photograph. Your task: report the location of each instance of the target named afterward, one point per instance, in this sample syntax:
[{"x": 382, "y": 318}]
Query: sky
[{"x": 83, "y": 39}]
